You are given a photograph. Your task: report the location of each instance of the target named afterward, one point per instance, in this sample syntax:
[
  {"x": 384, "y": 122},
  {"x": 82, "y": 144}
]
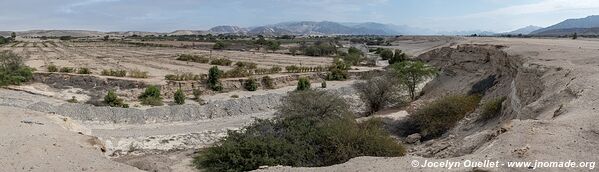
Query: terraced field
[{"x": 158, "y": 61}]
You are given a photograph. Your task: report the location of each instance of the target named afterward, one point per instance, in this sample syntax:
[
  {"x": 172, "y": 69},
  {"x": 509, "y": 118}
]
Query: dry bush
[
  {"x": 193, "y": 58},
  {"x": 492, "y": 108},
  {"x": 182, "y": 77},
  {"x": 314, "y": 129},
  {"x": 221, "y": 62},
  {"x": 379, "y": 92},
  {"x": 138, "y": 74},
  {"x": 84, "y": 71},
  {"x": 247, "y": 65},
  {"x": 114, "y": 72},
  {"x": 268, "y": 82},
  {"x": 67, "y": 70},
  {"x": 52, "y": 68},
  {"x": 437, "y": 117}
]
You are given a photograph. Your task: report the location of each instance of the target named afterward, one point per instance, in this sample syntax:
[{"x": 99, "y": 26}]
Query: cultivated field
[{"x": 158, "y": 61}]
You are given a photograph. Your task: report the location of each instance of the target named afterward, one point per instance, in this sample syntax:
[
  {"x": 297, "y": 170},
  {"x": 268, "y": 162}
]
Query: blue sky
[{"x": 163, "y": 15}]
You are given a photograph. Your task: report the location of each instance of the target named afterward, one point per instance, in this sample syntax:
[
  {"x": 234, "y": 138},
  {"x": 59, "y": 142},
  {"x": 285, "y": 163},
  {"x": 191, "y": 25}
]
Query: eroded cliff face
[
  {"x": 531, "y": 91},
  {"x": 549, "y": 115}
]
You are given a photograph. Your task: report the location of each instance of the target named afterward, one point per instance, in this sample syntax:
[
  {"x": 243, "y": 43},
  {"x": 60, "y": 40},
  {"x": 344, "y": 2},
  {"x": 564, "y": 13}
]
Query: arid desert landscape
[{"x": 447, "y": 92}]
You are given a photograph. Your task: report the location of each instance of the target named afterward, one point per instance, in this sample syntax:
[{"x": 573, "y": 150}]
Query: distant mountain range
[
  {"x": 583, "y": 26},
  {"x": 286, "y": 28},
  {"x": 525, "y": 30}
]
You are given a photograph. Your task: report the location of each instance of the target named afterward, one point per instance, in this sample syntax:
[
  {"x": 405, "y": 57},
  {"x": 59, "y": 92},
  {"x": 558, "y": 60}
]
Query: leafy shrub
[
  {"x": 268, "y": 82},
  {"x": 378, "y": 92},
  {"x": 179, "y": 97},
  {"x": 112, "y": 100},
  {"x": 136, "y": 73},
  {"x": 151, "y": 96},
  {"x": 13, "y": 70},
  {"x": 251, "y": 84},
  {"x": 52, "y": 68},
  {"x": 492, "y": 108},
  {"x": 435, "y": 118},
  {"x": 182, "y": 77},
  {"x": 67, "y": 70},
  {"x": 84, "y": 71},
  {"x": 214, "y": 75},
  {"x": 234, "y": 96},
  {"x": 324, "y": 135},
  {"x": 114, "y": 72},
  {"x": 221, "y": 62},
  {"x": 193, "y": 58},
  {"x": 303, "y": 84}
]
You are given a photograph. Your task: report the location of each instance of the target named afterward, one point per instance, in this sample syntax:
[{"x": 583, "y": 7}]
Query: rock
[{"x": 413, "y": 138}]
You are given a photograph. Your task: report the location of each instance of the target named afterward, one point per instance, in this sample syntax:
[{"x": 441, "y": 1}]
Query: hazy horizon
[{"x": 139, "y": 15}]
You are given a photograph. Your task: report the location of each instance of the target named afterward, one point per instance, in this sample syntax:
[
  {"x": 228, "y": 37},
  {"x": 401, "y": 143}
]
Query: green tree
[
  {"x": 273, "y": 45},
  {"x": 219, "y": 45},
  {"x": 179, "y": 97},
  {"x": 386, "y": 54},
  {"x": 412, "y": 73},
  {"x": 214, "y": 75},
  {"x": 303, "y": 84},
  {"x": 354, "y": 50},
  {"x": 106, "y": 38},
  {"x": 3, "y": 40},
  {"x": 13, "y": 35}
]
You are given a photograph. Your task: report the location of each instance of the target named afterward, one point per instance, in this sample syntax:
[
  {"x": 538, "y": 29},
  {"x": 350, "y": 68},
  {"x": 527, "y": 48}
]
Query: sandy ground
[
  {"x": 32, "y": 141},
  {"x": 157, "y": 61},
  {"x": 542, "y": 135}
]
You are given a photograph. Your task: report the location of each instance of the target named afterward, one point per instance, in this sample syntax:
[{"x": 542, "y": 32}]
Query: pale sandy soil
[
  {"x": 32, "y": 141},
  {"x": 546, "y": 137},
  {"x": 159, "y": 62}
]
